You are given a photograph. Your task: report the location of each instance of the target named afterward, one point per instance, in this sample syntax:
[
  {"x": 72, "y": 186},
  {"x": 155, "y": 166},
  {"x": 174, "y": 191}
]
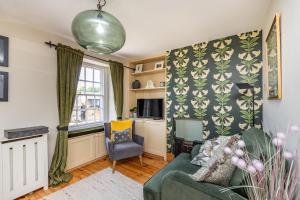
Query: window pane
[
  {"x": 93, "y": 102},
  {"x": 73, "y": 117},
  {"x": 89, "y": 102},
  {"x": 98, "y": 89},
  {"x": 102, "y": 102},
  {"x": 81, "y": 87},
  {"x": 89, "y": 88},
  {"x": 89, "y": 74},
  {"x": 82, "y": 108},
  {"x": 97, "y": 75},
  {"x": 98, "y": 115},
  {"x": 102, "y": 89},
  {"x": 102, "y": 77},
  {"x": 82, "y": 73},
  {"x": 90, "y": 115}
]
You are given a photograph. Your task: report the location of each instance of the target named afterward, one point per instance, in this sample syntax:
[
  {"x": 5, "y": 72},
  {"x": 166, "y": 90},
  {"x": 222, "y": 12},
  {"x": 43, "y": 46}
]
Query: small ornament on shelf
[
  {"x": 162, "y": 84},
  {"x": 136, "y": 84},
  {"x": 150, "y": 84},
  {"x": 133, "y": 112}
]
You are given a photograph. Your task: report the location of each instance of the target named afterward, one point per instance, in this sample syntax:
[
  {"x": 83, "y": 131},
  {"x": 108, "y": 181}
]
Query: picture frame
[
  {"x": 4, "y": 42},
  {"x": 274, "y": 68},
  {"x": 139, "y": 68},
  {"x": 159, "y": 65},
  {"x": 3, "y": 86}
]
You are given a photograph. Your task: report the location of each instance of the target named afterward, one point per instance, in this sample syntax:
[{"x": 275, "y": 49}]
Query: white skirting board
[{"x": 23, "y": 166}]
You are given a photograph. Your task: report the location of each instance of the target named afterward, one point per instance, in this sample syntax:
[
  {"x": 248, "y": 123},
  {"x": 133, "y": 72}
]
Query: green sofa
[{"x": 174, "y": 183}]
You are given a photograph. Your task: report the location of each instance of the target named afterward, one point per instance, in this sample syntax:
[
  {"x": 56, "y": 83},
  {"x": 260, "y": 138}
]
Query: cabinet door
[
  {"x": 81, "y": 150},
  {"x": 155, "y": 138},
  {"x": 139, "y": 127},
  {"x": 100, "y": 145}
]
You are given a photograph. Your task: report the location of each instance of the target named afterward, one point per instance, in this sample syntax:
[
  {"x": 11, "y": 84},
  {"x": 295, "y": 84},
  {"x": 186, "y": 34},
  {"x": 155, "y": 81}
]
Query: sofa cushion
[
  {"x": 126, "y": 150},
  {"x": 120, "y": 126},
  {"x": 218, "y": 169},
  {"x": 181, "y": 163},
  {"x": 121, "y": 136},
  {"x": 206, "y": 152}
]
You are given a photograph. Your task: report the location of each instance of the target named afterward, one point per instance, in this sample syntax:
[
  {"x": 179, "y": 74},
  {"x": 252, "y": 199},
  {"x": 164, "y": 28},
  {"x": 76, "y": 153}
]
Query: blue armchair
[{"x": 123, "y": 150}]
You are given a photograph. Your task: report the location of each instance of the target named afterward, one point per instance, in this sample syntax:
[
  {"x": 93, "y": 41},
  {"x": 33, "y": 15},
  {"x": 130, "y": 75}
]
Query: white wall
[
  {"x": 279, "y": 113},
  {"x": 32, "y": 80}
]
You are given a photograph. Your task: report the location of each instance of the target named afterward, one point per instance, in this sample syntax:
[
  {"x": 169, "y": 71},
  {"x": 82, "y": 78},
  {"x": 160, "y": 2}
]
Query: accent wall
[{"x": 200, "y": 84}]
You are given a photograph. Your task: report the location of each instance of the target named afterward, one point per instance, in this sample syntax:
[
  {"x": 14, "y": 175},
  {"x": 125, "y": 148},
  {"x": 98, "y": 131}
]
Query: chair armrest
[
  {"x": 138, "y": 139},
  {"x": 109, "y": 146},
  {"x": 177, "y": 185}
]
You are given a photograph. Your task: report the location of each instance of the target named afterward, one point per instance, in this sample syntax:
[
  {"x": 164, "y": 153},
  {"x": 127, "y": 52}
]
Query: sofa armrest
[
  {"x": 177, "y": 185},
  {"x": 109, "y": 146},
  {"x": 138, "y": 139}
]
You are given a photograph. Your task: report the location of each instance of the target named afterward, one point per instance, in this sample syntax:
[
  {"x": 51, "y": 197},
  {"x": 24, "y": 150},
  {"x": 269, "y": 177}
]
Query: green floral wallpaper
[{"x": 200, "y": 80}]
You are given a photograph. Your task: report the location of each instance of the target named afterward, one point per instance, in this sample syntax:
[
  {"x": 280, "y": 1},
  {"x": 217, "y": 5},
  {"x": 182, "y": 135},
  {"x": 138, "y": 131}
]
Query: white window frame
[{"x": 105, "y": 67}]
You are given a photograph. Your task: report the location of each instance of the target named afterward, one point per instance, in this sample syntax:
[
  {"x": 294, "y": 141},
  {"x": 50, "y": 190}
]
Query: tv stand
[{"x": 157, "y": 118}]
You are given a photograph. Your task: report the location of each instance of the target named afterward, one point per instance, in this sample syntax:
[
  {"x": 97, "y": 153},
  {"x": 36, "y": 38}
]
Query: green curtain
[
  {"x": 69, "y": 63},
  {"x": 117, "y": 72}
]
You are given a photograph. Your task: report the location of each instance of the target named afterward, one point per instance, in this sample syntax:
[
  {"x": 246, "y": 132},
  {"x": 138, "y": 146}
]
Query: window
[{"x": 90, "y": 103}]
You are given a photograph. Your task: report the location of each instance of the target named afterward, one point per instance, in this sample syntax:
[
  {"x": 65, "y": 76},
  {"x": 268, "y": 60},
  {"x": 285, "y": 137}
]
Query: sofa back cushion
[
  {"x": 107, "y": 129},
  {"x": 257, "y": 143},
  {"x": 218, "y": 169}
]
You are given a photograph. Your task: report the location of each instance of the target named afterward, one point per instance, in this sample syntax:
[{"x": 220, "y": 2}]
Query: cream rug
[{"x": 101, "y": 186}]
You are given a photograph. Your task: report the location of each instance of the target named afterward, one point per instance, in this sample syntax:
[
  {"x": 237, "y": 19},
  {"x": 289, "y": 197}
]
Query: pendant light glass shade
[{"x": 98, "y": 31}]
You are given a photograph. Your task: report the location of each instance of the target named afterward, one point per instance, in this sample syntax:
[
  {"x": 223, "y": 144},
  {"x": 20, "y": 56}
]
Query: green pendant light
[{"x": 98, "y": 31}]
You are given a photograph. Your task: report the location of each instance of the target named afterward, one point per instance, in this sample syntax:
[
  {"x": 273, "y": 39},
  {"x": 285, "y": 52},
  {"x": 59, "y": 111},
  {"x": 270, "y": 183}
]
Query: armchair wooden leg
[
  {"x": 141, "y": 160},
  {"x": 114, "y": 166}
]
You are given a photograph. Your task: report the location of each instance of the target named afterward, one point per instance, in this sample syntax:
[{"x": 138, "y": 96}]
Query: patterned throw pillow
[
  {"x": 121, "y": 125},
  {"x": 121, "y": 136},
  {"x": 218, "y": 169},
  {"x": 206, "y": 151}
]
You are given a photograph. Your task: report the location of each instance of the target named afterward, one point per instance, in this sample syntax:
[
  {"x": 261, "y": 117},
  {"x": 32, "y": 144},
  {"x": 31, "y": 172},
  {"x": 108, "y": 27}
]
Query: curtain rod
[{"x": 50, "y": 44}]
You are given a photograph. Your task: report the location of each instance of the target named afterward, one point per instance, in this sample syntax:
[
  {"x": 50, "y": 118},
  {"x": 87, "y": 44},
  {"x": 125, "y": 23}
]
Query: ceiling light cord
[{"x": 100, "y": 5}]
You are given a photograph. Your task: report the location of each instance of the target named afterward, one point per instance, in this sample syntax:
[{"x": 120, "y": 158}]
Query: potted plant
[
  {"x": 274, "y": 176},
  {"x": 133, "y": 112}
]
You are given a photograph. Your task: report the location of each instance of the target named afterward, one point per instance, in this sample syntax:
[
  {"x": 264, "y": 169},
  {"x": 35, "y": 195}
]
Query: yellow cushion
[{"x": 120, "y": 126}]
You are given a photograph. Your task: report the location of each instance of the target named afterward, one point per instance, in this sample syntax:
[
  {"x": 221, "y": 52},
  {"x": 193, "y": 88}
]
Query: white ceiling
[{"x": 152, "y": 26}]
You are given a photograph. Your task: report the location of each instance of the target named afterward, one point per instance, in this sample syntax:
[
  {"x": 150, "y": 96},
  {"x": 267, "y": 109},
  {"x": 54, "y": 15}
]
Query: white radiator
[{"x": 23, "y": 166}]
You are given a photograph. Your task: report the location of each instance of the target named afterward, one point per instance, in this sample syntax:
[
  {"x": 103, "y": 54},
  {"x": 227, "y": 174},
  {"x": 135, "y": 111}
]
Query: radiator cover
[{"x": 23, "y": 166}]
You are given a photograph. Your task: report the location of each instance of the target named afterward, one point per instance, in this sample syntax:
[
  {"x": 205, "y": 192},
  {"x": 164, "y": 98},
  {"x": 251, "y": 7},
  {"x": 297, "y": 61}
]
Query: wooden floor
[{"x": 130, "y": 167}]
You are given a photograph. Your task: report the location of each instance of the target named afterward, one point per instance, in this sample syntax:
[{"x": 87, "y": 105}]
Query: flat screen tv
[{"x": 150, "y": 108}]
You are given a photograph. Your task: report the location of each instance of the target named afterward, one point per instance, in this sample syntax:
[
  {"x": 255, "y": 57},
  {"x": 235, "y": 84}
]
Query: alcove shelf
[
  {"x": 157, "y": 76},
  {"x": 147, "y": 89},
  {"x": 154, "y": 71}
]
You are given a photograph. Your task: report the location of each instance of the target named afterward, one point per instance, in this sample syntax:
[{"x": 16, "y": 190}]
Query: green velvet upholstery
[
  {"x": 181, "y": 162},
  {"x": 174, "y": 183},
  {"x": 177, "y": 185}
]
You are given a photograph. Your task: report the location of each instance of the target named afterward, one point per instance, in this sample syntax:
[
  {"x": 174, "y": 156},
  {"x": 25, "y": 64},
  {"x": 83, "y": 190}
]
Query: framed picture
[
  {"x": 3, "y": 86},
  {"x": 159, "y": 65},
  {"x": 273, "y": 43},
  {"x": 3, "y": 51},
  {"x": 139, "y": 68}
]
